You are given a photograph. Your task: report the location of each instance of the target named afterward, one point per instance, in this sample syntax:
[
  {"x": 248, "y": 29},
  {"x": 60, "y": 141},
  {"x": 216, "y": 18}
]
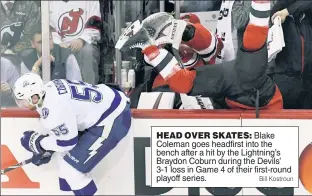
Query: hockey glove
[
  {"x": 31, "y": 142},
  {"x": 165, "y": 29},
  {"x": 42, "y": 158}
]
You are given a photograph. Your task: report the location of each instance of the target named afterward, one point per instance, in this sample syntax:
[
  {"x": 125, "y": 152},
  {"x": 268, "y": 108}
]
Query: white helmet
[{"x": 25, "y": 87}]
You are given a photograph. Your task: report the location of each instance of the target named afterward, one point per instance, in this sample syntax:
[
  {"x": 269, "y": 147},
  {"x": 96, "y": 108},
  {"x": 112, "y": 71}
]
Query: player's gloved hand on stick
[
  {"x": 31, "y": 142},
  {"x": 42, "y": 158}
]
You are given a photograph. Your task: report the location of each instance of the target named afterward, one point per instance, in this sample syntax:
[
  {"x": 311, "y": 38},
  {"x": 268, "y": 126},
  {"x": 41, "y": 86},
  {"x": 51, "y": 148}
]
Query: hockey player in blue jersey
[{"x": 85, "y": 121}]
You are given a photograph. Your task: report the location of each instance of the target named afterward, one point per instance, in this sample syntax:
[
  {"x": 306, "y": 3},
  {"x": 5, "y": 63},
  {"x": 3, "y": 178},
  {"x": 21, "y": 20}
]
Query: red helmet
[{"x": 192, "y": 18}]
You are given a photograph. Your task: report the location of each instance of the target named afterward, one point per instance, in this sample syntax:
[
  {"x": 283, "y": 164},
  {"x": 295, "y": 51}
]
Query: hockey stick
[{"x": 18, "y": 165}]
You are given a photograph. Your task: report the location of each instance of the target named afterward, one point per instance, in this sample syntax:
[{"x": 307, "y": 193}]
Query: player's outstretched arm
[
  {"x": 179, "y": 80},
  {"x": 206, "y": 81}
]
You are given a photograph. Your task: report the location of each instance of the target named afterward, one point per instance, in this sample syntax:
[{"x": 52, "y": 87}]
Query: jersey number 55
[{"x": 84, "y": 92}]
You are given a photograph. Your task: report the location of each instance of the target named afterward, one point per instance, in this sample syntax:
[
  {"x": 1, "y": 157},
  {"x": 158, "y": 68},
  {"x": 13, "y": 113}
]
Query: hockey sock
[
  {"x": 203, "y": 41},
  {"x": 256, "y": 31},
  {"x": 179, "y": 80},
  {"x": 64, "y": 186}
]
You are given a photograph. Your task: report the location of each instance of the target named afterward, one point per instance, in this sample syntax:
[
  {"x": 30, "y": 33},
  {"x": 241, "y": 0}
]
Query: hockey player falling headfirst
[
  {"x": 195, "y": 53},
  {"x": 242, "y": 82},
  {"x": 85, "y": 121}
]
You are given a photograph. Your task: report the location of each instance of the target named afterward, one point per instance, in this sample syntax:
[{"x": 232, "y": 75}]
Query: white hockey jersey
[
  {"x": 75, "y": 19},
  {"x": 72, "y": 106}
]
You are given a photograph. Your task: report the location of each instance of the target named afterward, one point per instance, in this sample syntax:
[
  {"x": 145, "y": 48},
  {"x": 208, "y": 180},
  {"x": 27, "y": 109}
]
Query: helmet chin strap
[
  {"x": 39, "y": 105},
  {"x": 40, "y": 102}
]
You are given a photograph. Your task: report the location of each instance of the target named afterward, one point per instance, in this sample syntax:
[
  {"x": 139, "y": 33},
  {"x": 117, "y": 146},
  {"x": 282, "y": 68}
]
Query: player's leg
[
  {"x": 179, "y": 80},
  {"x": 252, "y": 57},
  {"x": 70, "y": 179},
  {"x": 91, "y": 148}
]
